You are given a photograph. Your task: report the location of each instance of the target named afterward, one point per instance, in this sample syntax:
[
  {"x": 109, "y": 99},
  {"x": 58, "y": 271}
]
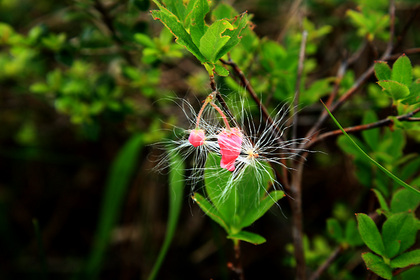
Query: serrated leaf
[
  {"x": 177, "y": 29},
  {"x": 394, "y": 89},
  {"x": 382, "y": 70},
  {"x": 377, "y": 265},
  {"x": 370, "y": 233},
  {"x": 197, "y": 22},
  {"x": 403, "y": 201},
  {"x": 334, "y": 229},
  {"x": 214, "y": 39},
  {"x": 234, "y": 36},
  {"x": 177, "y": 7},
  {"x": 399, "y": 233},
  {"x": 210, "y": 210},
  {"x": 247, "y": 236},
  {"x": 406, "y": 259},
  {"x": 402, "y": 71}
]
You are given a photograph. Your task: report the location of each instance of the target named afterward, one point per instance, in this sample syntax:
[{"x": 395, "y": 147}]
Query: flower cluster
[{"x": 240, "y": 143}]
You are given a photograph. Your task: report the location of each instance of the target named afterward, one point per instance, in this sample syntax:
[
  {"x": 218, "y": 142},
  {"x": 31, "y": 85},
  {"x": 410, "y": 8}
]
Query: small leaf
[
  {"x": 402, "y": 71},
  {"x": 334, "y": 229},
  {"x": 403, "y": 200},
  {"x": 213, "y": 40},
  {"x": 381, "y": 200},
  {"x": 221, "y": 71},
  {"x": 144, "y": 40},
  {"x": 370, "y": 233},
  {"x": 395, "y": 89},
  {"x": 399, "y": 233},
  {"x": 377, "y": 265},
  {"x": 248, "y": 237},
  {"x": 382, "y": 70},
  {"x": 406, "y": 259}
]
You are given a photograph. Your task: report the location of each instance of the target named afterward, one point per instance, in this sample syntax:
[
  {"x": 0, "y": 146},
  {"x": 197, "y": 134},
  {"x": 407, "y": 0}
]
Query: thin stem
[
  {"x": 222, "y": 114},
  {"x": 206, "y": 101},
  {"x": 381, "y": 123},
  {"x": 327, "y": 263},
  {"x": 298, "y": 81}
]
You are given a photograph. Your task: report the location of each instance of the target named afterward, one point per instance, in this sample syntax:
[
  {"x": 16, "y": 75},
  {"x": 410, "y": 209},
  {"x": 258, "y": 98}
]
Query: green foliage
[
  {"x": 236, "y": 203},
  {"x": 207, "y": 43}
]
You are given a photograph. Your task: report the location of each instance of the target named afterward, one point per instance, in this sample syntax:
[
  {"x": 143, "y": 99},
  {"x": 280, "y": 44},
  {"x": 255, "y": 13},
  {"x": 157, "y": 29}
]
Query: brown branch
[
  {"x": 360, "y": 81},
  {"x": 327, "y": 263},
  {"x": 381, "y": 123}
]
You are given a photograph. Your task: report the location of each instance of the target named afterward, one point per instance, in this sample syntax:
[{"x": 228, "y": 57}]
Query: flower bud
[
  {"x": 196, "y": 137},
  {"x": 230, "y": 142}
]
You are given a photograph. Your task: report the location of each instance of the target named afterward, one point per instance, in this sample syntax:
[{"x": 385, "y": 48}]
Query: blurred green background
[{"x": 87, "y": 87}]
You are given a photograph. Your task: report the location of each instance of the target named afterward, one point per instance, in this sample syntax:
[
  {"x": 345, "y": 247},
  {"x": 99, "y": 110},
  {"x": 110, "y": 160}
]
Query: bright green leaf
[
  {"x": 382, "y": 70},
  {"x": 381, "y": 199},
  {"x": 406, "y": 259},
  {"x": 213, "y": 40},
  {"x": 234, "y": 36},
  {"x": 175, "y": 26},
  {"x": 394, "y": 89},
  {"x": 221, "y": 71},
  {"x": 248, "y": 237},
  {"x": 370, "y": 233},
  {"x": 377, "y": 265},
  {"x": 402, "y": 71},
  {"x": 403, "y": 200},
  {"x": 399, "y": 233},
  {"x": 197, "y": 23}
]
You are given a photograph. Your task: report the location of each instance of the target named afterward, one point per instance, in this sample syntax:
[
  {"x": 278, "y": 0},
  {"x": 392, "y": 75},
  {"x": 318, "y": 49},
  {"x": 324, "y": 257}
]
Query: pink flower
[
  {"x": 196, "y": 137},
  {"x": 230, "y": 142}
]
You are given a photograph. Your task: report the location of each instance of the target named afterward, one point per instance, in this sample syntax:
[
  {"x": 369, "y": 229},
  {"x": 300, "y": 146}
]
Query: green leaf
[
  {"x": 198, "y": 25},
  {"x": 403, "y": 200},
  {"x": 334, "y": 229},
  {"x": 223, "y": 11},
  {"x": 221, "y": 71},
  {"x": 389, "y": 174},
  {"x": 377, "y": 265},
  {"x": 370, "y": 233},
  {"x": 382, "y": 70},
  {"x": 176, "y": 190},
  {"x": 210, "y": 210},
  {"x": 177, "y": 29},
  {"x": 234, "y": 36},
  {"x": 248, "y": 237},
  {"x": 177, "y": 7},
  {"x": 406, "y": 259},
  {"x": 414, "y": 96},
  {"x": 144, "y": 40},
  {"x": 122, "y": 169},
  {"x": 382, "y": 201},
  {"x": 399, "y": 233},
  {"x": 395, "y": 89},
  {"x": 402, "y": 71},
  {"x": 213, "y": 40}
]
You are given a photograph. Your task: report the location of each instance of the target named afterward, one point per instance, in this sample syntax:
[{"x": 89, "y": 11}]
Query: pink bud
[
  {"x": 230, "y": 142},
  {"x": 196, "y": 137}
]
